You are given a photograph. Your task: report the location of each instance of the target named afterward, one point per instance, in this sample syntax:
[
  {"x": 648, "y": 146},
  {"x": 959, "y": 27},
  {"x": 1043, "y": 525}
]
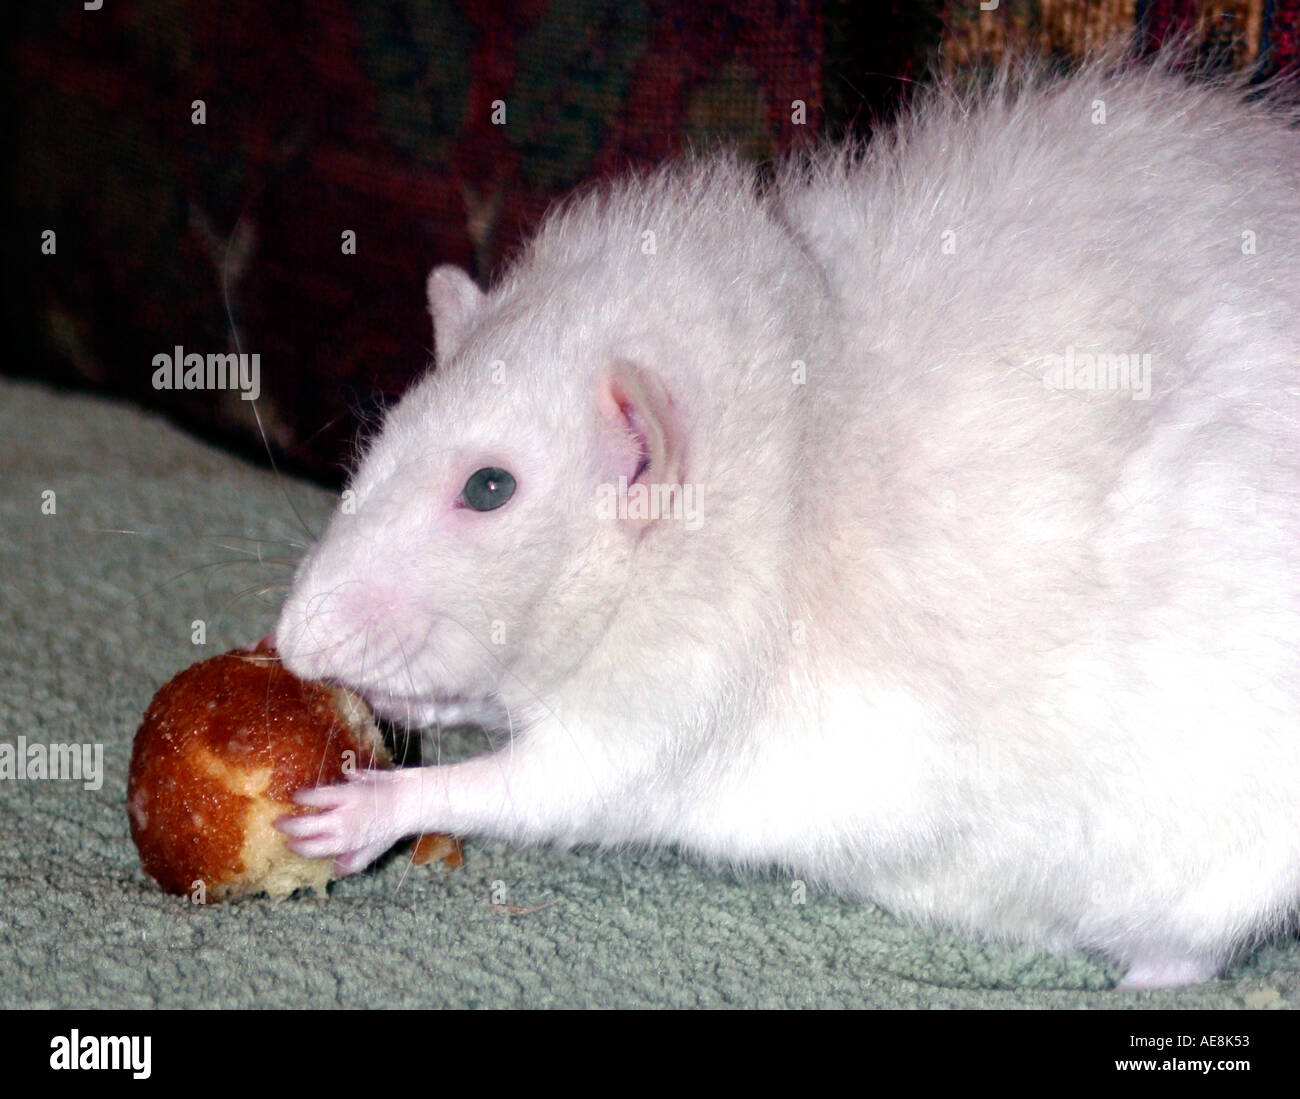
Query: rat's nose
[
  {"x": 342, "y": 633},
  {"x": 308, "y": 643}
]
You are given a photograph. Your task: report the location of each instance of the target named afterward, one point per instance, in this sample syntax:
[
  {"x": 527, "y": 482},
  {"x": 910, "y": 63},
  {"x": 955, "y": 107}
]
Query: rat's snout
[
  {"x": 308, "y": 638},
  {"x": 336, "y": 632},
  {"x": 348, "y": 634}
]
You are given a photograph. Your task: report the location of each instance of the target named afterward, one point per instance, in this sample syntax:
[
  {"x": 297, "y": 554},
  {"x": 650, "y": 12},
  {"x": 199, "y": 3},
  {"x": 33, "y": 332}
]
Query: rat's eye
[{"x": 488, "y": 488}]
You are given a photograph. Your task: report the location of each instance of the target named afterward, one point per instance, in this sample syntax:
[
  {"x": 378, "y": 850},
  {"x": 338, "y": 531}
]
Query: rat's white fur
[{"x": 1018, "y": 658}]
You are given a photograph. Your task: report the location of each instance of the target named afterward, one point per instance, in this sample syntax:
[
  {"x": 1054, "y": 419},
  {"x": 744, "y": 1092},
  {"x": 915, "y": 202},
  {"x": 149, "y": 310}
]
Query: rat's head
[
  {"x": 470, "y": 536},
  {"x": 492, "y": 531},
  {"x": 471, "y": 543}
]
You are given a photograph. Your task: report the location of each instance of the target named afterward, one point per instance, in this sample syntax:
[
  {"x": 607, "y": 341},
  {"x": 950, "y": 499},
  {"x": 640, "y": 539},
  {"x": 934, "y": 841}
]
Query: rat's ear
[
  {"x": 640, "y": 437},
  {"x": 453, "y": 301}
]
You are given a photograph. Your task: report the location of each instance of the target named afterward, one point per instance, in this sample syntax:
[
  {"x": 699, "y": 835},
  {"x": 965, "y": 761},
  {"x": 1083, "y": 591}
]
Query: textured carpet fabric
[{"x": 153, "y": 531}]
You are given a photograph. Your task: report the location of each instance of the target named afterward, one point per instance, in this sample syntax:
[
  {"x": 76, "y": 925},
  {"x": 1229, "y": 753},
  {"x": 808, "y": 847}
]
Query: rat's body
[{"x": 1019, "y": 657}]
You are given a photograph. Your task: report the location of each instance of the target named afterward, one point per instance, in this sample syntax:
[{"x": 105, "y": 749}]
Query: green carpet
[{"x": 153, "y": 531}]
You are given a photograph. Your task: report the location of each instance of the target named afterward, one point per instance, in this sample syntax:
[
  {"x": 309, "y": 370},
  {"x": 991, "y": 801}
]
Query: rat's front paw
[{"x": 355, "y": 823}]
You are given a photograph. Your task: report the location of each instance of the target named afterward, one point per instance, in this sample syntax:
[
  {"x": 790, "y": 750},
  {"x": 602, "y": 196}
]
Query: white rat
[{"x": 978, "y": 594}]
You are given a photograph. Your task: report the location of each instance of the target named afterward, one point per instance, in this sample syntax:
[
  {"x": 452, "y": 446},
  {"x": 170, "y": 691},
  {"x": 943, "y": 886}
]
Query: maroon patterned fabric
[
  {"x": 382, "y": 119},
  {"x": 329, "y": 116}
]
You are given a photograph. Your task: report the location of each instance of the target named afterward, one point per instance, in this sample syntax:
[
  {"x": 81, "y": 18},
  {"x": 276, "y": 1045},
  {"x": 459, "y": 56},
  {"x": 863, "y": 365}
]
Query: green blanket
[{"x": 152, "y": 531}]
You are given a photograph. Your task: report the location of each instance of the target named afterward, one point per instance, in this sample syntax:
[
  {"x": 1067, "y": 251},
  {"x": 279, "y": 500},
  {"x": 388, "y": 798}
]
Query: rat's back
[{"x": 1070, "y": 315}]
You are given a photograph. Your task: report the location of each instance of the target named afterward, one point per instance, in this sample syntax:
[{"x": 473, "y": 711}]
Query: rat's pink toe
[{"x": 1167, "y": 973}]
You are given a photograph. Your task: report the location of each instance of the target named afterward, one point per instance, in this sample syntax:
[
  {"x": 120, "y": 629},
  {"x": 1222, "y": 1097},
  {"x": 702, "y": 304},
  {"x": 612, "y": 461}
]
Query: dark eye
[{"x": 488, "y": 488}]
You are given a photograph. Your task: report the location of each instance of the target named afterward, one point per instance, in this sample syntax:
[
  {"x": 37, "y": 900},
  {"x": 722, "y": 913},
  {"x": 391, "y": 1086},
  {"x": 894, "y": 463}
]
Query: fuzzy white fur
[{"x": 1011, "y": 654}]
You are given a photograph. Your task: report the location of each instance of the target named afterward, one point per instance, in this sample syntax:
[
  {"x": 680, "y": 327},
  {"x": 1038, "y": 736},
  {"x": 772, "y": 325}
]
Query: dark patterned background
[{"x": 377, "y": 117}]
